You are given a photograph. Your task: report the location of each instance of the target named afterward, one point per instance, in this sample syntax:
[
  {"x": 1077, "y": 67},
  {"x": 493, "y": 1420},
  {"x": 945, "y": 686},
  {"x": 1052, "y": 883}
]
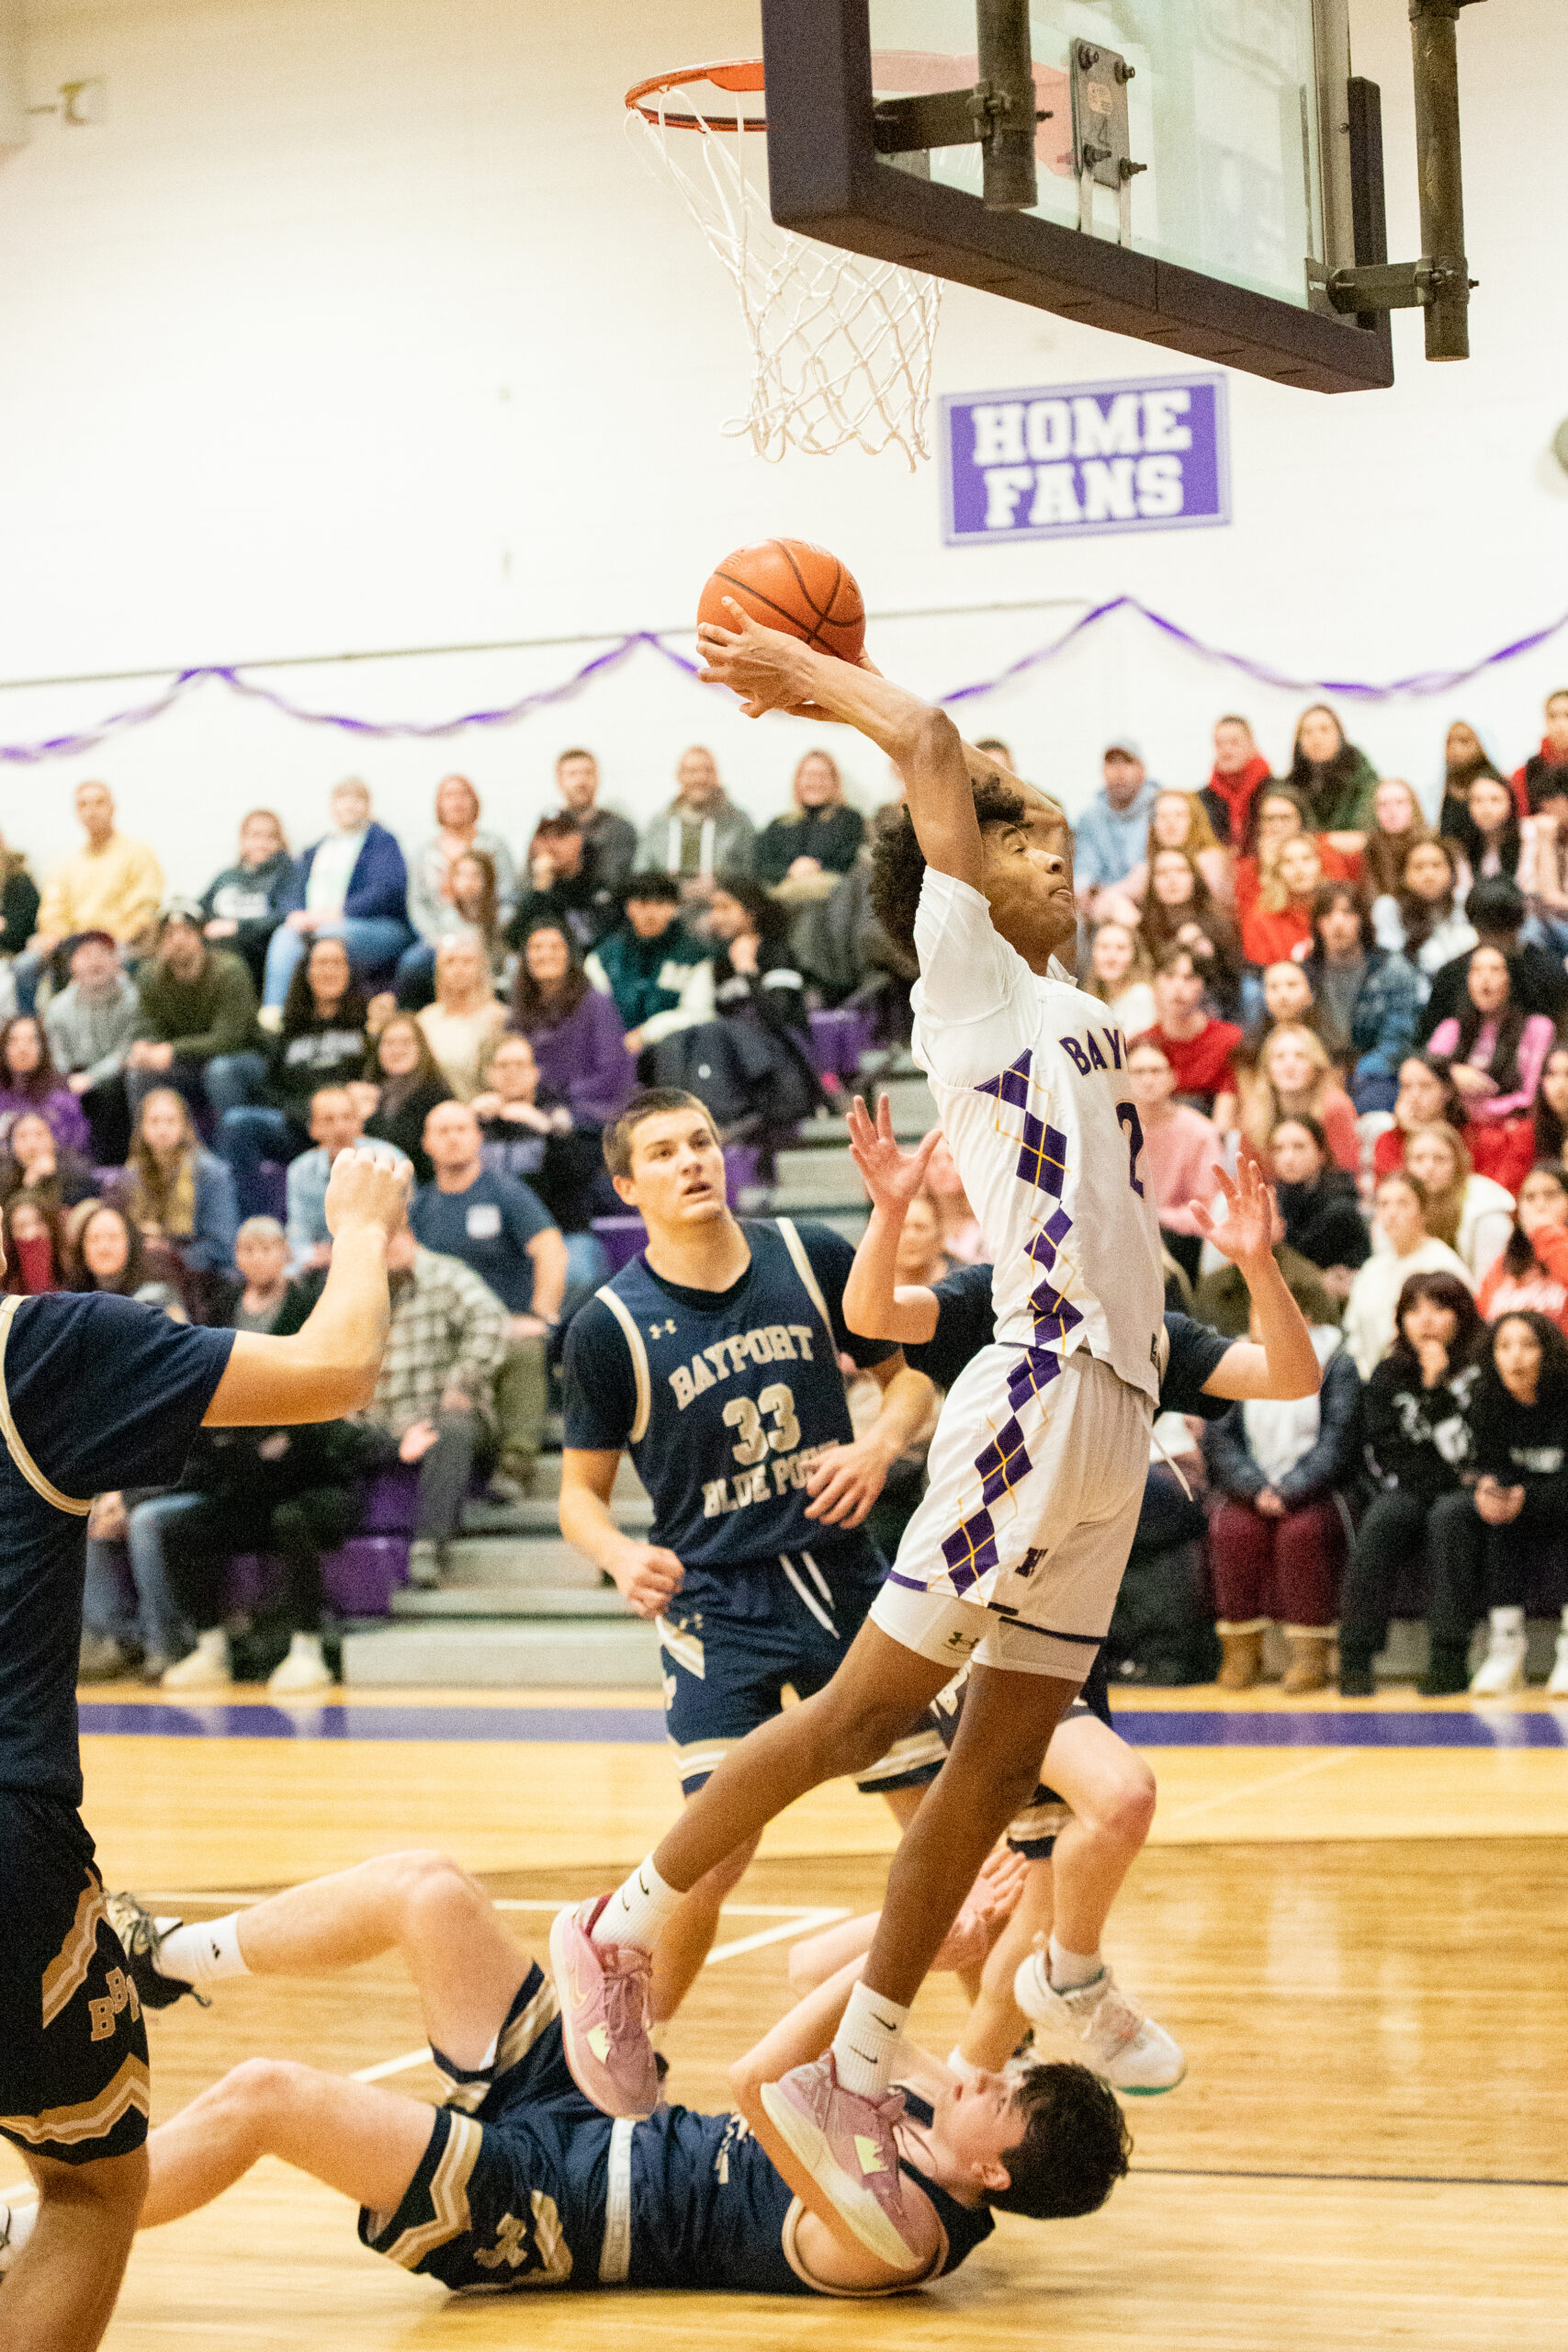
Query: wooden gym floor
[{"x": 1353, "y": 1918}]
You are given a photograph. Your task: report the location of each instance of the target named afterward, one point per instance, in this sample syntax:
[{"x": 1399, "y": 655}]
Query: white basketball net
[{"x": 841, "y": 346}]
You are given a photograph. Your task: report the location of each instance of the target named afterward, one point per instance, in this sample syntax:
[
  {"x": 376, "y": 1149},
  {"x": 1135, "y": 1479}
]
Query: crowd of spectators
[{"x": 1358, "y": 983}]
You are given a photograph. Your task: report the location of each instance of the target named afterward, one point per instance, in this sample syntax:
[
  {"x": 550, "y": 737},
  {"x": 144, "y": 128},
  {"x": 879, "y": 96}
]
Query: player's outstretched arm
[
  {"x": 1285, "y": 1366},
  {"x": 773, "y": 671},
  {"x": 646, "y": 1575},
  {"x": 876, "y": 1304},
  {"x": 328, "y": 1367}
]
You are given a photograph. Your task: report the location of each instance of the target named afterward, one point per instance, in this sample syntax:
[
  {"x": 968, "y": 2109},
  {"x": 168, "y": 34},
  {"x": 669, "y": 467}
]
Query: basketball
[{"x": 793, "y": 585}]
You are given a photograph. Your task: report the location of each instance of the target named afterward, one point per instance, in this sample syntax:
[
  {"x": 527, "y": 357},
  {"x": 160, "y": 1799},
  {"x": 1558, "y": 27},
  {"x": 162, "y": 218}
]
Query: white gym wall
[{"x": 356, "y": 324}]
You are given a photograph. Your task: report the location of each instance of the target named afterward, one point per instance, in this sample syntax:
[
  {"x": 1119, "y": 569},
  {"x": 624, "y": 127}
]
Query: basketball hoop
[{"x": 840, "y": 345}]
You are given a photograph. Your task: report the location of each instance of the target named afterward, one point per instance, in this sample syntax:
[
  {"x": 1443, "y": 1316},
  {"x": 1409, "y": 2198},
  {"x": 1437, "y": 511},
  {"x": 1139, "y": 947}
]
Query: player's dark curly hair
[
  {"x": 898, "y": 868},
  {"x": 1075, "y": 2147}
]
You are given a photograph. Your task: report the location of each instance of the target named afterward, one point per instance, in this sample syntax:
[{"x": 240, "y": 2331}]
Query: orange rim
[{"x": 738, "y": 73}]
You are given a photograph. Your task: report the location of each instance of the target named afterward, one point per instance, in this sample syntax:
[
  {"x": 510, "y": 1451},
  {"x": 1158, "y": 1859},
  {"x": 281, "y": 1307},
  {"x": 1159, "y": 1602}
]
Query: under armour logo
[
  {"x": 654, "y": 1329},
  {"x": 511, "y": 2245}
]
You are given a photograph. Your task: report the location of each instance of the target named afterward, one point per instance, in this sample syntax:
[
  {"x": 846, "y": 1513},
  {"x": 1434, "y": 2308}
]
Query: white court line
[
  {"x": 1253, "y": 1788},
  {"x": 741, "y": 1910},
  {"x": 403, "y": 2065},
  {"x": 806, "y": 1924}
]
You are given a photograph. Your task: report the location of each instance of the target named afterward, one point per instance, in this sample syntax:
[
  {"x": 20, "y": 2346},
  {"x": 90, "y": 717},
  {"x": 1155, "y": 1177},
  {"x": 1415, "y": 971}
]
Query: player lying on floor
[
  {"x": 517, "y": 2181},
  {"x": 1086, "y": 1822}
]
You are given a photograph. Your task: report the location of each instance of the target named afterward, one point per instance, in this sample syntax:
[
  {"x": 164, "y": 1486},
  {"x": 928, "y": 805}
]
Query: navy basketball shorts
[
  {"x": 1034, "y": 1832},
  {"x": 74, "y": 2082},
  {"x": 732, "y": 1640},
  {"x": 483, "y": 2209}
]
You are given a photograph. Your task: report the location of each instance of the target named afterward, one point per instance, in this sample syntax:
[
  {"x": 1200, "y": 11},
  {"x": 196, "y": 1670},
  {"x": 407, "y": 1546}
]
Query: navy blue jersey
[
  {"x": 97, "y": 1393},
  {"x": 725, "y": 1399},
  {"x": 964, "y": 1324},
  {"x": 548, "y": 2191}
]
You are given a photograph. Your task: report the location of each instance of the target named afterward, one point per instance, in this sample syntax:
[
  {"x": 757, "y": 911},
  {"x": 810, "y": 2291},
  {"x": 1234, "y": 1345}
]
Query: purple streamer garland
[{"x": 1421, "y": 682}]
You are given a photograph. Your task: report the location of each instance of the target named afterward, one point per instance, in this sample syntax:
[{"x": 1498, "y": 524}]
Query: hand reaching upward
[
  {"x": 892, "y": 1177},
  {"x": 1252, "y": 1221}
]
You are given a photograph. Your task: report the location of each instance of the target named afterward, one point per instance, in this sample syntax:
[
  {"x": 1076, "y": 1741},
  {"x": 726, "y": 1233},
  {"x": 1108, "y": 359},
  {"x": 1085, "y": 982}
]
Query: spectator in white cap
[{"x": 1112, "y": 836}]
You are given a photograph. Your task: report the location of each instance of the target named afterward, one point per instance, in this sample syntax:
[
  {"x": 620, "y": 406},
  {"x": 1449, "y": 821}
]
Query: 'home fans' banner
[{"x": 1068, "y": 459}]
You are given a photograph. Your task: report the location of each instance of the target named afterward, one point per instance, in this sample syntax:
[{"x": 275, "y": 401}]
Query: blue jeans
[
  {"x": 155, "y": 1620},
  {"x": 248, "y": 1135},
  {"x": 371, "y": 940}
]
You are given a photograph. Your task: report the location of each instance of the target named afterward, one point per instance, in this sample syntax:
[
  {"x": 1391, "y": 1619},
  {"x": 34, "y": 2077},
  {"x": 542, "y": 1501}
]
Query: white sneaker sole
[{"x": 859, "y": 2211}]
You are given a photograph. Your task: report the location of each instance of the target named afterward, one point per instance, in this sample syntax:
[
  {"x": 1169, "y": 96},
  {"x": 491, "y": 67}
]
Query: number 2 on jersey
[
  {"x": 1127, "y": 1116},
  {"x": 741, "y": 1414}
]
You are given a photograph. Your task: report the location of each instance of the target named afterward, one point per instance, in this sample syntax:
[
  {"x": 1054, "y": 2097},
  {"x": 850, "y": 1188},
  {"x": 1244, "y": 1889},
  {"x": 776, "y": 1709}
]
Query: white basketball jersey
[{"x": 1028, "y": 1079}]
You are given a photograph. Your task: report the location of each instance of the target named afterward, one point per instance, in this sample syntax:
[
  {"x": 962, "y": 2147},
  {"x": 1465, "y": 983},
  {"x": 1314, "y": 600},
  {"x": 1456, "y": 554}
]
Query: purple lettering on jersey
[
  {"x": 1012, "y": 1086},
  {"x": 1096, "y": 1056},
  {"x": 1071, "y": 1046},
  {"x": 1113, "y": 1039}
]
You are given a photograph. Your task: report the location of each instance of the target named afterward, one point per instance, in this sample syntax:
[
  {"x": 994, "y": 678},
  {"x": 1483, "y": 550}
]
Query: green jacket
[
  {"x": 1343, "y": 807},
  {"x": 214, "y": 1013}
]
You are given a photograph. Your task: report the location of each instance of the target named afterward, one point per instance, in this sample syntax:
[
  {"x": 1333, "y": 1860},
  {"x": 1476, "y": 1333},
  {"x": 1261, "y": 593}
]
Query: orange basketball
[{"x": 792, "y": 586}]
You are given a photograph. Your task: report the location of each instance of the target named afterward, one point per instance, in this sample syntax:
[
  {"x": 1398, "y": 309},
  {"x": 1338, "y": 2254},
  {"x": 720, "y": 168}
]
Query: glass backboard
[
  {"x": 1222, "y": 117},
  {"x": 1203, "y": 167}
]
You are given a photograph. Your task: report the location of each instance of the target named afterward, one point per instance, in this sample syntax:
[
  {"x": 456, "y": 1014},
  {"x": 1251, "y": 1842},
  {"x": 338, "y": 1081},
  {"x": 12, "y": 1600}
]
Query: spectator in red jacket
[
  {"x": 1531, "y": 1275},
  {"x": 1197, "y": 1049},
  {"x": 1239, "y": 774},
  {"x": 1530, "y": 782}
]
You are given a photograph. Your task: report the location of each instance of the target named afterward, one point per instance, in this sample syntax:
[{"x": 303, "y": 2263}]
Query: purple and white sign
[{"x": 1066, "y": 460}]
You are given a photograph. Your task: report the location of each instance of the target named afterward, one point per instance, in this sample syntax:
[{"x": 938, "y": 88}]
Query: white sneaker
[
  {"x": 207, "y": 1667},
  {"x": 1502, "y": 1671},
  {"x": 304, "y": 1668},
  {"x": 1557, "y": 1680},
  {"x": 1129, "y": 2050}
]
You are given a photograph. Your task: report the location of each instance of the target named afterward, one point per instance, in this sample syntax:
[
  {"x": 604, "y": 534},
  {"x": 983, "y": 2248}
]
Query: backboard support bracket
[
  {"x": 1440, "y": 282},
  {"x": 997, "y": 113}
]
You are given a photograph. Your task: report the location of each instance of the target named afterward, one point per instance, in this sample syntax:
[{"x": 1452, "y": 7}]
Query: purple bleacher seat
[
  {"x": 272, "y": 1177},
  {"x": 740, "y": 1170},
  {"x": 623, "y": 1237},
  {"x": 359, "y": 1579},
  {"x": 838, "y": 1041}
]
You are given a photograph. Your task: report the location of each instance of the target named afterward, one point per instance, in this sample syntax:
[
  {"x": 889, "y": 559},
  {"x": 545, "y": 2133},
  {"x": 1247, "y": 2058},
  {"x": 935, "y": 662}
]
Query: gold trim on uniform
[
  {"x": 448, "y": 2195},
  {"x": 638, "y": 1354},
  {"x": 67, "y": 1972},
  {"x": 9, "y": 1432},
  {"x": 808, "y": 1272},
  {"x": 686, "y": 1648},
  {"x": 92, "y": 2119}
]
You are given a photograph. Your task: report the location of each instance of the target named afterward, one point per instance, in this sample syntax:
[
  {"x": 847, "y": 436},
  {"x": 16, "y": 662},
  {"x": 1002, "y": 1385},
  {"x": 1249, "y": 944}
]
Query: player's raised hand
[
  {"x": 647, "y": 1576},
  {"x": 365, "y": 1189},
  {"x": 892, "y": 1177},
  {"x": 1252, "y": 1221},
  {"x": 766, "y": 667}
]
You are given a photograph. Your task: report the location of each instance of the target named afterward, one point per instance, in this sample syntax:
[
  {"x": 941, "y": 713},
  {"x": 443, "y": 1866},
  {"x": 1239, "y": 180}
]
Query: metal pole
[
  {"x": 1007, "y": 76},
  {"x": 1435, "y": 56}
]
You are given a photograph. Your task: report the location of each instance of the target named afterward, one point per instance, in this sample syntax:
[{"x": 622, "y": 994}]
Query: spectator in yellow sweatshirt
[{"x": 113, "y": 884}]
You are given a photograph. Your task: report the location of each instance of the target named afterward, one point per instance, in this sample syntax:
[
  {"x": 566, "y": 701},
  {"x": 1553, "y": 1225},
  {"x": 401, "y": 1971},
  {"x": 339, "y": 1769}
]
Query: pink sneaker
[
  {"x": 844, "y": 2147},
  {"x": 603, "y": 2005}
]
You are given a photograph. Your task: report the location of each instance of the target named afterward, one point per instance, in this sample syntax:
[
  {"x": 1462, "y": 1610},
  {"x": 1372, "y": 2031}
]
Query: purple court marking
[
  {"x": 644, "y": 1726},
  {"x": 1194, "y": 1727},
  {"x": 626, "y": 1726}
]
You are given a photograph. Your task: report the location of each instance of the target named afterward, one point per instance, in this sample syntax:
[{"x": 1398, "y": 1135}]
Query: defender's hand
[
  {"x": 765, "y": 667},
  {"x": 1252, "y": 1215},
  {"x": 846, "y": 1481},
  {"x": 364, "y": 1190},
  {"x": 892, "y": 1177},
  {"x": 646, "y": 1575}
]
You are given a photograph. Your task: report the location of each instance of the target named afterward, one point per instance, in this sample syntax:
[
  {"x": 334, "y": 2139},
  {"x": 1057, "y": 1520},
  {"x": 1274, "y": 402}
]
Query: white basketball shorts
[{"x": 1016, "y": 1553}]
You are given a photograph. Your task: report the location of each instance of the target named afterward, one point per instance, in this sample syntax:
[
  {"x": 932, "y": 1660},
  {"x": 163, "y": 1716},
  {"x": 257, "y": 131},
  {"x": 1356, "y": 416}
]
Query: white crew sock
[
  {"x": 199, "y": 1954},
  {"x": 1071, "y": 1969},
  {"x": 639, "y": 1911},
  {"x": 16, "y": 2225},
  {"x": 867, "y": 2043},
  {"x": 1507, "y": 1624}
]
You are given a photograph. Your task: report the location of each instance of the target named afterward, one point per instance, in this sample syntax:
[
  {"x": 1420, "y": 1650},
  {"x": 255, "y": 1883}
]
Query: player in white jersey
[{"x": 1038, "y": 1469}]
